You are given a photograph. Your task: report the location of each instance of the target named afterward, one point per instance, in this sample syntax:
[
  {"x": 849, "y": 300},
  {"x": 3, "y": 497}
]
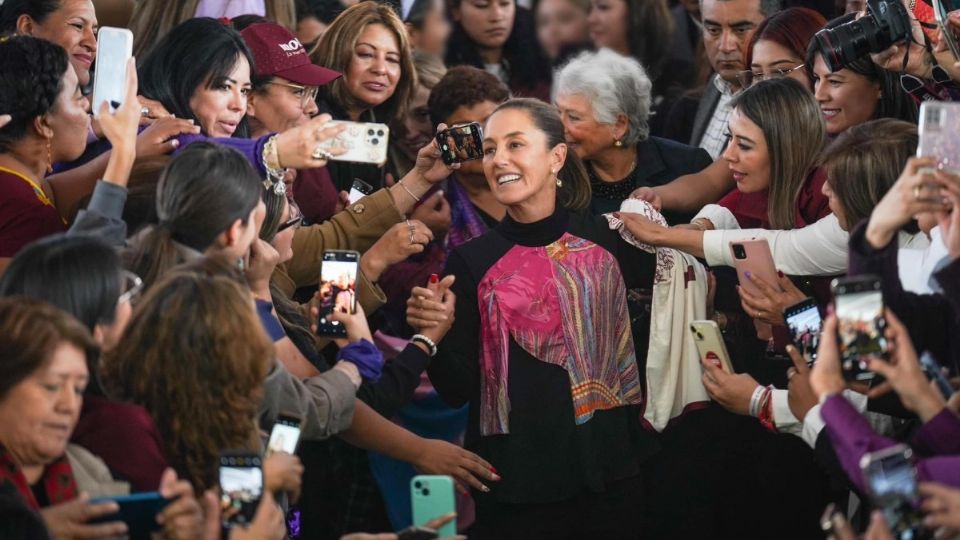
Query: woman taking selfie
[
  {"x": 37, "y": 80},
  {"x": 212, "y": 91},
  {"x": 499, "y": 36},
  {"x": 368, "y": 44},
  {"x": 555, "y": 413}
]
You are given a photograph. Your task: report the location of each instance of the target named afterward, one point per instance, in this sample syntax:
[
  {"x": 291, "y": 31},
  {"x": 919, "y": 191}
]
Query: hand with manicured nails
[
  {"x": 429, "y": 167},
  {"x": 155, "y": 110},
  {"x": 442, "y": 458},
  {"x": 430, "y": 309},
  {"x": 769, "y": 304},
  {"x": 295, "y": 146},
  {"x": 70, "y": 520}
]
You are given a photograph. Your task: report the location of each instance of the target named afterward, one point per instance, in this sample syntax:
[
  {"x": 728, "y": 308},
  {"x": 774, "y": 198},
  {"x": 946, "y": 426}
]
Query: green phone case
[{"x": 432, "y": 497}]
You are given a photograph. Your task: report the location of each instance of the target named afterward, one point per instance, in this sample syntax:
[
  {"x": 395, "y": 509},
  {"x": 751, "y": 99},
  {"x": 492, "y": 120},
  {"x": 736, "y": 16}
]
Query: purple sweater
[{"x": 853, "y": 437}]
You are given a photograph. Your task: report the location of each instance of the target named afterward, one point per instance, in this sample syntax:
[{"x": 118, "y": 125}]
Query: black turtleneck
[{"x": 546, "y": 457}]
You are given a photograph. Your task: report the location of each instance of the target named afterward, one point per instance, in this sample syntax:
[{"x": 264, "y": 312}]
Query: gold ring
[{"x": 916, "y": 192}]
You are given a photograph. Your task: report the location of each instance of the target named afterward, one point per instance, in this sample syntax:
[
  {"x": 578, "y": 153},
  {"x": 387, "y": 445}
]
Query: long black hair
[
  {"x": 31, "y": 78},
  {"x": 528, "y": 64},
  {"x": 201, "y": 193},
  {"x": 894, "y": 102},
  {"x": 200, "y": 52}
]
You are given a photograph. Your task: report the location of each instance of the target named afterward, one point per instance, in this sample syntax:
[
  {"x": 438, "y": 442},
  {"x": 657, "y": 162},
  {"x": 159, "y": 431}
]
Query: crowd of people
[{"x": 518, "y": 317}]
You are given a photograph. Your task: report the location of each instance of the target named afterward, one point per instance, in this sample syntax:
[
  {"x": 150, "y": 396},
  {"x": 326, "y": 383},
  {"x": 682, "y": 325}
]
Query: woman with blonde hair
[
  {"x": 153, "y": 19},
  {"x": 368, "y": 43}
]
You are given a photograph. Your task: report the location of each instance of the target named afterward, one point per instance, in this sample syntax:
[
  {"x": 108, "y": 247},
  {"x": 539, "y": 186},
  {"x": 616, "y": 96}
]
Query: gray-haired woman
[{"x": 604, "y": 101}]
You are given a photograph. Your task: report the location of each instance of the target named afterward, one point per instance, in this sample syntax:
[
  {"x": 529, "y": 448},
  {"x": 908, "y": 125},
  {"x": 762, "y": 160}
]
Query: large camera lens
[{"x": 885, "y": 23}]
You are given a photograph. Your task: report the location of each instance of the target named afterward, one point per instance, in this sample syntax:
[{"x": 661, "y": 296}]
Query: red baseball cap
[{"x": 279, "y": 53}]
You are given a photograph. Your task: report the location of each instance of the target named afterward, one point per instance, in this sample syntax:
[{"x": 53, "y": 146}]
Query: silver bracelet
[
  {"x": 431, "y": 346},
  {"x": 405, "y": 188}
]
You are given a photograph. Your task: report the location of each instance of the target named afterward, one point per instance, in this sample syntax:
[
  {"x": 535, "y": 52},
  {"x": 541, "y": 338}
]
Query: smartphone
[
  {"x": 754, "y": 256},
  {"x": 139, "y": 511},
  {"x": 114, "y": 48},
  {"x": 338, "y": 289},
  {"x": 461, "y": 143},
  {"x": 804, "y": 323},
  {"x": 417, "y": 533},
  {"x": 710, "y": 345},
  {"x": 241, "y": 486},
  {"x": 858, "y": 302},
  {"x": 284, "y": 435},
  {"x": 940, "y": 10},
  {"x": 939, "y": 137},
  {"x": 432, "y": 497},
  {"x": 359, "y": 190},
  {"x": 891, "y": 481},
  {"x": 363, "y": 142},
  {"x": 935, "y": 374}
]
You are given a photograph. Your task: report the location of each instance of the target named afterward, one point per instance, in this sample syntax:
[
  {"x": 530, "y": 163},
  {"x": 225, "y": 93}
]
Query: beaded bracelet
[{"x": 431, "y": 346}]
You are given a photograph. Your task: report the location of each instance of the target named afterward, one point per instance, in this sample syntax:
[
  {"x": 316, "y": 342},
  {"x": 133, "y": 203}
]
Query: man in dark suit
[{"x": 727, "y": 26}]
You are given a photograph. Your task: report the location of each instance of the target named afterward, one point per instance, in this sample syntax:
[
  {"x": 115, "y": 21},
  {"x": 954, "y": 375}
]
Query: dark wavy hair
[
  {"x": 195, "y": 356},
  {"x": 529, "y": 66},
  {"x": 201, "y": 193},
  {"x": 38, "y": 10},
  {"x": 198, "y": 53},
  {"x": 575, "y": 192},
  {"x": 894, "y": 102},
  {"x": 464, "y": 86},
  {"x": 31, "y": 78}
]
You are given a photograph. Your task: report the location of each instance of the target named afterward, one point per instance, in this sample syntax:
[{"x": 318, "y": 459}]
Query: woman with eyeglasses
[
  {"x": 779, "y": 46},
  {"x": 83, "y": 276}
]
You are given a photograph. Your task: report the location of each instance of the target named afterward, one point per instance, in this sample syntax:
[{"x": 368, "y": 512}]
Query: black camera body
[{"x": 886, "y": 22}]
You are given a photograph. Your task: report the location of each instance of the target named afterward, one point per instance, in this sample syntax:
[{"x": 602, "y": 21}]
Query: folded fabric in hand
[{"x": 366, "y": 356}]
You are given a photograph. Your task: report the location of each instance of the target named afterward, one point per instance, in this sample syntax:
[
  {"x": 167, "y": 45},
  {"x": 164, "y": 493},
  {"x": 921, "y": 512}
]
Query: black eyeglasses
[{"x": 296, "y": 219}]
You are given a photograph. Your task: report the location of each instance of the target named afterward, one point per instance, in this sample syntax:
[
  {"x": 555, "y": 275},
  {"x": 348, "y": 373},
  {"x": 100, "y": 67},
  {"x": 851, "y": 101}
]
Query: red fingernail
[
  {"x": 779, "y": 273},
  {"x": 434, "y": 278}
]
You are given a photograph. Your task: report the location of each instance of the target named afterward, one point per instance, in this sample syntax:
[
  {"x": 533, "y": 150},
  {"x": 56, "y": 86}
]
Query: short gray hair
[{"x": 614, "y": 84}]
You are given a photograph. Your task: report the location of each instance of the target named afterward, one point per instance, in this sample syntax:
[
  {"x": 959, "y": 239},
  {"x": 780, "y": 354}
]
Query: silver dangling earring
[
  {"x": 618, "y": 143},
  {"x": 559, "y": 181}
]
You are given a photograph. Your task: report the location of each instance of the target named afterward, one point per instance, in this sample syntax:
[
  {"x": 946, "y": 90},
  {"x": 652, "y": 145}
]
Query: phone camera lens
[
  {"x": 426, "y": 492},
  {"x": 369, "y": 132},
  {"x": 739, "y": 252},
  {"x": 417, "y": 484},
  {"x": 379, "y": 133}
]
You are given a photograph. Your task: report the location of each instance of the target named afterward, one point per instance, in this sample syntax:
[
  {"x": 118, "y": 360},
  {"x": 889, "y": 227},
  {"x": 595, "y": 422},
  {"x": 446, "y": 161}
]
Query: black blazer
[{"x": 659, "y": 162}]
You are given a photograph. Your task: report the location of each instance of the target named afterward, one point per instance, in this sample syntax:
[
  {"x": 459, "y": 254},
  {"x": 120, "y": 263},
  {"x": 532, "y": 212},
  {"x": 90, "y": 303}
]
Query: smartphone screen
[
  {"x": 860, "y": 325},
  {"x": 461, "y": 143},
  {"x": 241, "y": 485},
  {"x": 114, "y": 48},
  {"x": 338, "y": 289},
  {"x": 892, "y": 481},
  {"x": 285, "y": 435},
  {"x": 803, "y": 321},
  {"x": 359, "y": 190}
]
